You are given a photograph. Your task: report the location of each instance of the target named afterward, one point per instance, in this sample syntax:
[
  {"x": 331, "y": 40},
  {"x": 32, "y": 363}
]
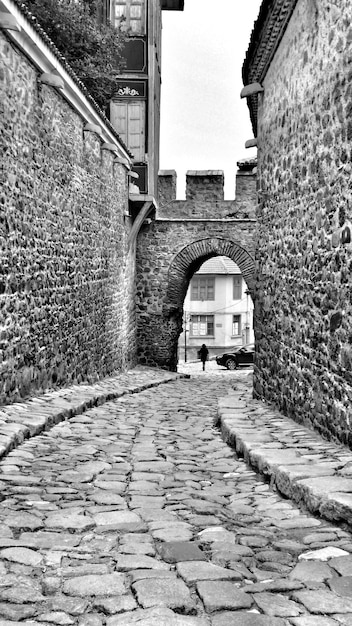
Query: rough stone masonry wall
[
  {"x": 66, "y": 282},
  {"x": 303, "y": 300},
  {"x": 168, "y": 254}
]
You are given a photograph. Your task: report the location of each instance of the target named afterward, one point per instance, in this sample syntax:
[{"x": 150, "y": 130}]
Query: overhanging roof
[
  {"x": 219, "y": 265},
  {"x": 274, "y": 16},
  {"x": 172, "y": 5}
]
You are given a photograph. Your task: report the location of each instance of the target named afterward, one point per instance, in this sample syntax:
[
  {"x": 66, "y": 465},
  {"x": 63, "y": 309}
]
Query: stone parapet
[
  {"x": 246, "y": 192},
  {"x": 167, "y": 180},
  {"x": 205, "y": 194},
  {"x": 205, "y": 184}
]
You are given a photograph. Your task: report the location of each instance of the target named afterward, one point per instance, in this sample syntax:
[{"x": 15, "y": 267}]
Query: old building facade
[
  {"x": 135, "y": 107},
  {"x": 218, "y": 310},
  {"x": 300, "y": 55}
]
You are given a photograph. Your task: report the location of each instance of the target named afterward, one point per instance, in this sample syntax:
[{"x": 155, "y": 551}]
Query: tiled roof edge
[
  {"x": 41, "y": 32},
  {"x": 269, "y": 28},
  {"x": 219, "y": 266}
]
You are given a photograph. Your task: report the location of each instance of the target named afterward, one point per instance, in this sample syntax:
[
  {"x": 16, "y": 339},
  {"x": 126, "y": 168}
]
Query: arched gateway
[
  {"x": 160, "y": 325},
  {"x": 171, "y": 248},
  {"x": 189, "y": 260}
]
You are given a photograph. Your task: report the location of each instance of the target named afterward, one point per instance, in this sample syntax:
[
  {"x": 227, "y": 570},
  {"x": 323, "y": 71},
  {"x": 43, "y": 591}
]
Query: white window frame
[
  {"x": 237, "y": 287},
  {"x": 200, "y": 327},
  {"x": 209, "y": 287},
  {"x": 125, "y": 10},
  {"x": 238, "y": 322}
]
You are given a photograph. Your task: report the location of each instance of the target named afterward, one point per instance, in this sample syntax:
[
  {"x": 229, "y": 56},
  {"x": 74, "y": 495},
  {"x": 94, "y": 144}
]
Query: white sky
[{"x": 204, "y": 123}]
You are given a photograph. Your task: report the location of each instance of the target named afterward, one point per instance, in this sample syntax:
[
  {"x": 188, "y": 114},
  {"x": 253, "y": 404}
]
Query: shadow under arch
[{"x": 181, "y": 269}]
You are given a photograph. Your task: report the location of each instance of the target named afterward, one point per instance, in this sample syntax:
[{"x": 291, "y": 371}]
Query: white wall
[{"x": 223, "y": 307}]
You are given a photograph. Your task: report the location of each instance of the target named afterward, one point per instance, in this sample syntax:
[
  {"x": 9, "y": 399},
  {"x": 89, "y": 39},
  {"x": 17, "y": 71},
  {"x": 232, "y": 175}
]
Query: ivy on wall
[{"x": 92, "y": 47}]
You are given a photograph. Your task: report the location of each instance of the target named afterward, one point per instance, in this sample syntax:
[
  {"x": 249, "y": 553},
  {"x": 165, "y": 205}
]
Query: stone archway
[
  {"x": 169, "y": 252},
  {"x": 191, "y": 257},
  {"x": 181, "y": 269}
]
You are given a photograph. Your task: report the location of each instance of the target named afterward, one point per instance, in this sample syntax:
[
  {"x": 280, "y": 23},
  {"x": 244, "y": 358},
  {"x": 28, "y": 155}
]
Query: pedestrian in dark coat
[{"x": 203, "y": 354}]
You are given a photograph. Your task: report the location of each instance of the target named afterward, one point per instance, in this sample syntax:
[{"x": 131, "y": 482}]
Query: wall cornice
[{"x": 274, "y": 16}]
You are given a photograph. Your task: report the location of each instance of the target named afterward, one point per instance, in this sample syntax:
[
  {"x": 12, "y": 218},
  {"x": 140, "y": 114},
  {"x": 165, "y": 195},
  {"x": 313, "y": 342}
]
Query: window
[
  {"x": 202, "y": 325},
  {"x": 236, "y": 325},
  {"x": 131, "y": 15},
  {"x": 202, "y": 288},
  {"x": 129, "y": 120},
  {"x": 237, "y": 287}
]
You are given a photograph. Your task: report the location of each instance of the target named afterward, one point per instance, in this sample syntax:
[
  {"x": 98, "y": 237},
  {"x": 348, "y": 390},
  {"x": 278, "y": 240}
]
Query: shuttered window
[
  {"x": 130, "y": 14},
  {"x": 129, "y": 120},
  {"x": 237, "y": 287},
  {"x": 202, "y": 288},
  {"x": 202, "y": 325}
]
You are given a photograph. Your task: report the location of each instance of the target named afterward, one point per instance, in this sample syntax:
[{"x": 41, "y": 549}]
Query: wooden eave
[
  {"x": 172, "y": 5},
  {"x": 274, "y": 16}
]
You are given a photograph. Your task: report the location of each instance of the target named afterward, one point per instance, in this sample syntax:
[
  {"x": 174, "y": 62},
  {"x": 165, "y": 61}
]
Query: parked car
[{"x": 241, "y": 355}]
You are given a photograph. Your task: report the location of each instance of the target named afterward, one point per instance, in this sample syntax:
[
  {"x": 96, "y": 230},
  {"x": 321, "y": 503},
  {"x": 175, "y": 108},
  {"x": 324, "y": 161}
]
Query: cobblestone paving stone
[
  {"x": 303, "y": 466},
  {"x": 137, "y": 513},
  {"x": 25, "y": 419}
]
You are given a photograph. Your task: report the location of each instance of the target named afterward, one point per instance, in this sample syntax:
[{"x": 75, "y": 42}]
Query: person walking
[{"x": 203, "y": 355}]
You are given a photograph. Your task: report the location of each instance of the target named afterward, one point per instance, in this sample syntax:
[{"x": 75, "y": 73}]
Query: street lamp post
[
  {"x": 185, "y": 332},
  {"x": 247, "y": 316}
]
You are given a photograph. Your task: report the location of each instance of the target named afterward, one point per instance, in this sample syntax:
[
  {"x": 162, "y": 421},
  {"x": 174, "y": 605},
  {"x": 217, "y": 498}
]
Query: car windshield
[{"x": 248, "y": 348}]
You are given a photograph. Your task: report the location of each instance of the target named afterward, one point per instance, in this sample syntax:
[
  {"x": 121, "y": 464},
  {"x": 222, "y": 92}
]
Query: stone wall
[
  {"x": 66, "y": 284},
  {"x": 166, "y": 186},
  {"x": 173, "y": 247},
  {"x": 303, "y": 298},
  {"x": 205, "y": 195}
]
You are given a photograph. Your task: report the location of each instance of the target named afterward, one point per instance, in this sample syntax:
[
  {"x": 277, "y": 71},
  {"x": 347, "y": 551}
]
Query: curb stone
[
  {"x": 23, "y": 420},
  {"x": 309, "y": 470}
]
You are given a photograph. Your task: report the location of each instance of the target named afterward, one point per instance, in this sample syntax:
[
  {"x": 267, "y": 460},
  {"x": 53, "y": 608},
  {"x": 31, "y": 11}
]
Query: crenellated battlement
[
  {"x": 205, "y": 194},
  {"x": 207, "y": 184}
]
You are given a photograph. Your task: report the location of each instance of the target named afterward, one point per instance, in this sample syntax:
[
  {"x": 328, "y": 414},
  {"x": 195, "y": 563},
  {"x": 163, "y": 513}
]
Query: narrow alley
[{"x": 136, "y": 512}]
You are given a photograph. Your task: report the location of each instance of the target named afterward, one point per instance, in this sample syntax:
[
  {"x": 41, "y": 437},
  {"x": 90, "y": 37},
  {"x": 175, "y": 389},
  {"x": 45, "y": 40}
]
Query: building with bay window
[
  {"x": 218, "y": 309},
  {"x": 135, "y": 106}
]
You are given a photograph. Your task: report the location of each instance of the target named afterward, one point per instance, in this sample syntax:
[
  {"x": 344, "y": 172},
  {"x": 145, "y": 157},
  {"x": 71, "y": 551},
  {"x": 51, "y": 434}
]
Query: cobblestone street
[{"x": 136, "y": 512}]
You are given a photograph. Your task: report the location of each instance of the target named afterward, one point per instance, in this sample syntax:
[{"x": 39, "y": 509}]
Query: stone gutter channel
[
  {"x": 23, "y": 420},
  {"x": 304, "y": 467}
]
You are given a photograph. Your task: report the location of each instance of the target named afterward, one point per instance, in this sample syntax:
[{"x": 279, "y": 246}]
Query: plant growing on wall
[{"x": 90, "y": 46}]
